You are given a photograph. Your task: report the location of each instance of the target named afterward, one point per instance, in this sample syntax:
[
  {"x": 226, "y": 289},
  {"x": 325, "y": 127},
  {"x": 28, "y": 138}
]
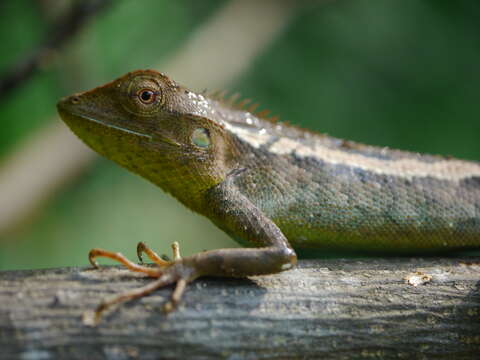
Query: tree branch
[
  {"x": 60, "y": 33},
  {"x": 329, "y": 309}
]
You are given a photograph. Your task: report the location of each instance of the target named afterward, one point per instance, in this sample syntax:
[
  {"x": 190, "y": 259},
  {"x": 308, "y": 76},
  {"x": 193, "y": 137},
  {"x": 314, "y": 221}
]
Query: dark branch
[
  {"x": 324, "y": 309},
  {"x": 64, "y": 29}
]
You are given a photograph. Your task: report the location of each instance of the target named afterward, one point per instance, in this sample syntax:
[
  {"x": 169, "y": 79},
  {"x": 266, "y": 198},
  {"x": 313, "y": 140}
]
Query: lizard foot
[
  {"x": 170, "y": 272},
  {"x": 143, "y": 248}
]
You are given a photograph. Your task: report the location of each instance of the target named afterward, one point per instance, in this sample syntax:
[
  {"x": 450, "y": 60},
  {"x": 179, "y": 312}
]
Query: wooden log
[{"x": 323, "y": 309}]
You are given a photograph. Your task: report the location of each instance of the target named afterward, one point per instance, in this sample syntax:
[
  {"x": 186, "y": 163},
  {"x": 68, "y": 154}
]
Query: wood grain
[{"x": 328, "y": 309}]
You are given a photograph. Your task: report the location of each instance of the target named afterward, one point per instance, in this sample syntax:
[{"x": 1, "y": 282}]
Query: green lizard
[{"x": 269, "y": 185}]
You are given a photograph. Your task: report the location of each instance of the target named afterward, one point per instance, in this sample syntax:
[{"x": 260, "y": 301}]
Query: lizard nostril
[{"x": 75, "y": 100}]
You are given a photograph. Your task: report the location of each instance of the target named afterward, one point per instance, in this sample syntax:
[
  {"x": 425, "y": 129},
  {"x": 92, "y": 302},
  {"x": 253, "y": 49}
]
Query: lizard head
[{"x": 152, "y": 126}]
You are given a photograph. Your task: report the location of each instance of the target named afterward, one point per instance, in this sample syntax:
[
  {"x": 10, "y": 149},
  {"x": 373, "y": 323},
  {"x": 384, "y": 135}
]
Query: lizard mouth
[
  {"x": 66, "y": 112},
  {"x": 111, "y": 126},
  {"x": 66, "y": 115}
]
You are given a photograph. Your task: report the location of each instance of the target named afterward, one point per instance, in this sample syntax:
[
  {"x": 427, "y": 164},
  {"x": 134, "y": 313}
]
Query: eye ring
[{"x": 147, "y": 96}]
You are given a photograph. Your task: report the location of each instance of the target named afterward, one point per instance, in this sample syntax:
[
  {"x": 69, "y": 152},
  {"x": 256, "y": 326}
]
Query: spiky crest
[{"x": 233, "y": 101}]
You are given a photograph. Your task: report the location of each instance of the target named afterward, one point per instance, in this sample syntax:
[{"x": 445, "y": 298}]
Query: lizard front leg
[{"x": 234, "y": 213}]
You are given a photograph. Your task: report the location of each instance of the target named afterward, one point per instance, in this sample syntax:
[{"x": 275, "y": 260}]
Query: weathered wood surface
[{"x": 324, "y": 309}]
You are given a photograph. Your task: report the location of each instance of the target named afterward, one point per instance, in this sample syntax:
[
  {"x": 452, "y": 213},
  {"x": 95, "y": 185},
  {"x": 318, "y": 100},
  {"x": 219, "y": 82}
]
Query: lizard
[{"x": 276, "y": 188}]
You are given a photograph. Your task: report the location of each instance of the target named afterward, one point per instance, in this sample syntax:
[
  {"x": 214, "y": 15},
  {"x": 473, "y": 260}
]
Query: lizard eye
[
  {"x": 147, "y": 96},
  {"x": 144, "y": 95},
  {"x": 201, "y": 138}
]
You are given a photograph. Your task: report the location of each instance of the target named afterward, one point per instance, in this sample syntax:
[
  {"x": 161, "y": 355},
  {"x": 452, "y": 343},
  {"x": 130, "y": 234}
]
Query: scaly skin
[{"x": 272, "y": 186}]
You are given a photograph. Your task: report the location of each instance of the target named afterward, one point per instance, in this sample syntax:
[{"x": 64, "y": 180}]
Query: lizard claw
[
  {"x": 91, "y": 258},
  {"x": 143, "y": 248},
  {"x": 176, "y": 296},
  {"x": 94, "y": 253},
  {"x": 176, "y": 251}
]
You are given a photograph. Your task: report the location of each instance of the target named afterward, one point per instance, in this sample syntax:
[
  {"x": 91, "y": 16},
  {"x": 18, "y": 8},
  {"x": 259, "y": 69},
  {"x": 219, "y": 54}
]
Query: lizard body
[{"x": 273, "y": 186}]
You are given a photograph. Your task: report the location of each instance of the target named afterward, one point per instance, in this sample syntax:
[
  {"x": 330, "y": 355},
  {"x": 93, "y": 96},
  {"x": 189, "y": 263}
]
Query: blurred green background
[{"x": 402, "y": 74}]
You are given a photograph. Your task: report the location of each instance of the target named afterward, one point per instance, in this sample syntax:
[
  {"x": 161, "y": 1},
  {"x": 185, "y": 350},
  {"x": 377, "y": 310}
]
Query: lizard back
[{"x": 326, "y": 193}]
